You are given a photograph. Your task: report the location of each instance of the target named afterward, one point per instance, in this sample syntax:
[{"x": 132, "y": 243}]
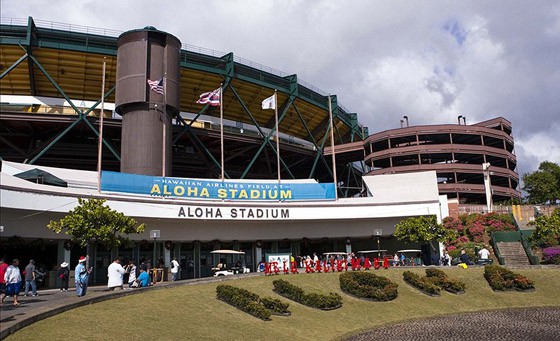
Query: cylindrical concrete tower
[{"x": 147, "y": 97}]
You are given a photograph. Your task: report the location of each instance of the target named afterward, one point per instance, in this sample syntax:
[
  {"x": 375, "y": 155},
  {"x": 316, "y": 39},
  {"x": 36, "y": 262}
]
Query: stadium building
[
  {"x": 460, "y": 154},
  {"x": 204, "y": 176}
]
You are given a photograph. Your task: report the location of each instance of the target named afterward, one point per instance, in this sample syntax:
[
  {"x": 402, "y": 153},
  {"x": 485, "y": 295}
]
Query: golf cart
[{"x": 222, "y": 269}]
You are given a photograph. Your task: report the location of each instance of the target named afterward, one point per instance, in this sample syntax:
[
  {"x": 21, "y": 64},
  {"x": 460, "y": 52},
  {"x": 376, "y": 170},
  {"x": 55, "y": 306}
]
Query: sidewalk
[{"x": 50, "y": 302}]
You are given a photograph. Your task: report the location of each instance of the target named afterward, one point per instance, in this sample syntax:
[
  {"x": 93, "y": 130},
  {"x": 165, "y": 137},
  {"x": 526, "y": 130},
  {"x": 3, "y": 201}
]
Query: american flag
[
  {"x": 156, "y": 86},
  {"x": 212, "y": 98}
]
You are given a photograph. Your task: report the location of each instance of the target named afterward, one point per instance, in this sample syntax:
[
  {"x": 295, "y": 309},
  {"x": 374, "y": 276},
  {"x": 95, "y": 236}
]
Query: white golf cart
[{"x": 222, "y": 269}]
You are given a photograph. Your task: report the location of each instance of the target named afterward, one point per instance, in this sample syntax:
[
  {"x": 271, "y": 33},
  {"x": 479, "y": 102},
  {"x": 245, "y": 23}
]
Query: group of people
[
  {"x": 464, "y": 258},
  {"x": 137, "y": 275},
  {"x": 11, "y": 279}
]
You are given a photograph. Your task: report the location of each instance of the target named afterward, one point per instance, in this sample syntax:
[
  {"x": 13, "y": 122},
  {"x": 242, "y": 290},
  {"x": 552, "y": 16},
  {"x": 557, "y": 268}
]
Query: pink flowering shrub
[
  {"x": 453, "y": 224},
  {"x": 499, "y": 225},
  {"x": 476, "y": 231}
]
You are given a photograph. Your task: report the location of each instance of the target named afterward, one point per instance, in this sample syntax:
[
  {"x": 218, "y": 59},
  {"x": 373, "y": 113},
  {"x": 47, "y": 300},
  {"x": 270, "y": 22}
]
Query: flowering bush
[
  {"x": 551, "y": 255},
  {"x": 476, "y": 230},
  {"x": 453, "y": 224}
]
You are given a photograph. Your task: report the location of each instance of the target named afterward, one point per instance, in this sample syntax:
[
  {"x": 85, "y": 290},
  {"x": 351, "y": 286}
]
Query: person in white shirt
[
  {"x": 483, "y": 253},
  {"x": 174, "y": 269},
  {"x": 131, "y": 269},
  {"x": 12, "y": 277},
  {"x": 115, "y": 272}
]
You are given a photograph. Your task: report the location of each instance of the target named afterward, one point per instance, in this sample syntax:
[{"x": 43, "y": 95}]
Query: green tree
[
  {"x": 93, "y": 222},
  {"x": 423, "y": 229},
  {"x": 543, "y": 185},
  {"x": 547, "y": 230}
]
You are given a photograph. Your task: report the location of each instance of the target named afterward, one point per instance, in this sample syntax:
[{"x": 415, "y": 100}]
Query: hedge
[
  {"x": 500, "y": 278},
  {"x": 368, "y": 285},
  {"x": 440, "y": 278},
  {"x": 425, "y": 284},
  {"x": 250, "y": 302},
  {"x": 319, "y": 301}
]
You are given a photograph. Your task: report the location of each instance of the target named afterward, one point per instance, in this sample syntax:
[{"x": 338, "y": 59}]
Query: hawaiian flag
[
  {"x": 212, "y": 98},
  {"x": 156, "y": 86}
]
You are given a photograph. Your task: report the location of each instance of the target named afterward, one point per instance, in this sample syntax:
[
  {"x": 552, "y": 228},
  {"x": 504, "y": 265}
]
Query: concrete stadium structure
[
  {"x": 51, "y": 89},
  {"x": 456, "y": 152}
]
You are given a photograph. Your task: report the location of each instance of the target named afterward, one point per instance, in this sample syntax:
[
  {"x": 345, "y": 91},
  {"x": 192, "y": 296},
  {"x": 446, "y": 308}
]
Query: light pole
[
  {"x": 487, "y": 185},
  {"x": 155, "y": 235},
  {"x": 378, "y": 233}
]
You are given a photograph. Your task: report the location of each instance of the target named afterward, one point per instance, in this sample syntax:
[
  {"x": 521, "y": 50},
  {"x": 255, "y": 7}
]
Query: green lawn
[{"x": 193, "y": 312}]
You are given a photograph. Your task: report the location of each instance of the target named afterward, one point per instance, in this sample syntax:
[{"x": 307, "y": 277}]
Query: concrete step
[{"x": 513, "y": 253}]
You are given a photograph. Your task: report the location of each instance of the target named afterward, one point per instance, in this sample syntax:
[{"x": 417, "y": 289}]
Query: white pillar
[{"x": 487, "y": 185}]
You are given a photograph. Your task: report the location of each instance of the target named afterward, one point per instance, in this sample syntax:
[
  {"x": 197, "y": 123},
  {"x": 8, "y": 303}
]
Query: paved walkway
[
  {"x": 50, "y": 302},
  {"x": 528, "y": 324}
]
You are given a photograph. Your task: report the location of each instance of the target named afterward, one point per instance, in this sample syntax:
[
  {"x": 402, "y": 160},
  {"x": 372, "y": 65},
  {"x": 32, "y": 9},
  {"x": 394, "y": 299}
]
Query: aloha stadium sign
[{"x": 215, "y": 190}]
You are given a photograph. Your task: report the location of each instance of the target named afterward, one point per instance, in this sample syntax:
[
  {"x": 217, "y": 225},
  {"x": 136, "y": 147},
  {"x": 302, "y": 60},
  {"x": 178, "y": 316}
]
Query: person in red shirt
[{"x": 3, "y": 267}]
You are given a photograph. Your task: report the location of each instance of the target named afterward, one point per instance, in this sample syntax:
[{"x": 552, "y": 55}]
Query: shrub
[
  {"x": 275, "y": 305},
  {"x": 319, "y": 301},
  {"x": 440, "y": 278},
  {"x": 547, "y": 230},
  {"x": 551, "y": 255},
  {"x": 368, "y": 285},
  {"x": 243, "y": 300},
  {"x": 500, "y": 278},
  {"x": 425, "y": 284}
]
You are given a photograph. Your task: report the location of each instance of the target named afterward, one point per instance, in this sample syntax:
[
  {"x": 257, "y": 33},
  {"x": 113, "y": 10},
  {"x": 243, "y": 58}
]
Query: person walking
[
  {"x": 12, "y": 277},
  {"x": 64, "y": 274},
  {"x": 174, "y": 269},
  {"x": 115, "y": 273},
  {"x": 30, "y": 279},
  {"x": 81, "y": 277}
]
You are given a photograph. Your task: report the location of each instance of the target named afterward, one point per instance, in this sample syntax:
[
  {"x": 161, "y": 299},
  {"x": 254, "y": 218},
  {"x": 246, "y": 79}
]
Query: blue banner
[{"x": 214, "y": 190}]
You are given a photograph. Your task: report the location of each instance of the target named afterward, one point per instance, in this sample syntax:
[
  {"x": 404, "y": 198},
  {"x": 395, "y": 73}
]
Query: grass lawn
[{"x": 193, "y": 312}]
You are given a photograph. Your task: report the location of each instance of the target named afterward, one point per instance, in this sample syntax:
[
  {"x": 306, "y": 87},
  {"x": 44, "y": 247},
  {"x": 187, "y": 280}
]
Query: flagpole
[
  {"x": 164, "y": 135},
  {"x": 100, "y": 145},
  {"x": 277, "y": 134},
  {"x": 222, "y": 131},
  {"x": 332, "y": 149}
]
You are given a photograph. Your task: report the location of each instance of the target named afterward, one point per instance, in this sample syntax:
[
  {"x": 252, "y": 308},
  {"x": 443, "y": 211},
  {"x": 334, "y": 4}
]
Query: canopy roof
[
  {"x": 42, "y": 177},
  {"x": 228, "y": 252}
]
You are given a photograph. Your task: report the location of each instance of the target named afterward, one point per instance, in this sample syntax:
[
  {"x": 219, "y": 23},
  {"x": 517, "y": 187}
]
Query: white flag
[{"x": 269, "y": 103}]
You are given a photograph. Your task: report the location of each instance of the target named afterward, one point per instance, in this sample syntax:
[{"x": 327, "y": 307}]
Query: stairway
[{"x": 513, "y": 253}]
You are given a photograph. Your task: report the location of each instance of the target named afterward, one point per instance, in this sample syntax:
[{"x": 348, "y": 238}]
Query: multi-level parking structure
[
  {"x": 456, "y": 152},
  {"x": 50, "y": 82}
]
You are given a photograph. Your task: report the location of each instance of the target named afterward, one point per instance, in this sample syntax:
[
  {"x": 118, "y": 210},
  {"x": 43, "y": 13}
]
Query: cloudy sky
[{"x": 430, "y": 60}]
